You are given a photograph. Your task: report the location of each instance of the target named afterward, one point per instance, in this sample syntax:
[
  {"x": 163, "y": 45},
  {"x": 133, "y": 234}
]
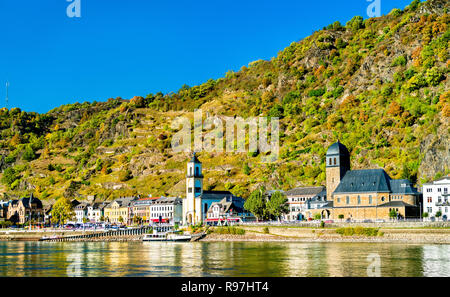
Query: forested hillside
[{"x": 379, "y": 85}]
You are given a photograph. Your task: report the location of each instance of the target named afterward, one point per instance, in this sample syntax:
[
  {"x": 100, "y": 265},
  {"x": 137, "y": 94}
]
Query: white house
[
  {"x": 167, "y": 210},
  {"x": 436, "y": 197},
  {"x": 301, "y": 199},
  {"x": 81, "y": 212},
  {"x": 95, "y": 212},
  {"x": 230, "y": 210}
]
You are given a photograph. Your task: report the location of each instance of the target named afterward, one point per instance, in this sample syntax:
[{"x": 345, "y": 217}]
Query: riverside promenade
[{"x": 55, "y": 235}]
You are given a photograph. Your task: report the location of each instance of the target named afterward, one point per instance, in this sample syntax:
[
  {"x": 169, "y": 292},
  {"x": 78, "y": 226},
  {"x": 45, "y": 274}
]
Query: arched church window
[
  {"x": 334, "y": 161},
  {"x": 330, "y": 161}
]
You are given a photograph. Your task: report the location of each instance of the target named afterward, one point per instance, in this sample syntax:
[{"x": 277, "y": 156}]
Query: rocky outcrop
[{"x": 436, "y": 153}]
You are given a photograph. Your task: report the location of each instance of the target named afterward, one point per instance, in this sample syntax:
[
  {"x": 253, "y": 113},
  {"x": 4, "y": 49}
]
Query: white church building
[{"x": 197, "y": 201}]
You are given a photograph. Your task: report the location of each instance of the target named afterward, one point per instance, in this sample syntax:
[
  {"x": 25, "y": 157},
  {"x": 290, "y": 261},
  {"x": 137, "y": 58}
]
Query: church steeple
[
  {"x": 192, "y": 211},
  {"x": 337, "y": 164}
]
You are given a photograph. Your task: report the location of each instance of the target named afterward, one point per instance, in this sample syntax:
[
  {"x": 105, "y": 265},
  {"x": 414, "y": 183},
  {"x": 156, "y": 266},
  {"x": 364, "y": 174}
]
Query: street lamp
[{"x": 420, "y": 211}]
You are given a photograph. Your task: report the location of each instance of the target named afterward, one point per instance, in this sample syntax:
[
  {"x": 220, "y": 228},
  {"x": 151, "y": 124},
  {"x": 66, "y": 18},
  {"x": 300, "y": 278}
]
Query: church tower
[
  {"x": 337, "y": 164},
  {"x": 192, "y": 206}
]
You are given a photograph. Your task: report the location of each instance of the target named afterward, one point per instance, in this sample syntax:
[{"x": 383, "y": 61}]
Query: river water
[{"x": 234, "y": 259}]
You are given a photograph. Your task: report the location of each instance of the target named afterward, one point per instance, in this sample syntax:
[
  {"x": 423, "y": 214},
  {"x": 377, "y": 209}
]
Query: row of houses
[{"x": 123, "y": 211}]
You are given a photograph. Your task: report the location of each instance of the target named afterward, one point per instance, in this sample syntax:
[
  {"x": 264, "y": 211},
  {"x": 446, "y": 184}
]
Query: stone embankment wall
[
  {"x": 330, "y": 235},
  {"x": 336, "y": 224}
]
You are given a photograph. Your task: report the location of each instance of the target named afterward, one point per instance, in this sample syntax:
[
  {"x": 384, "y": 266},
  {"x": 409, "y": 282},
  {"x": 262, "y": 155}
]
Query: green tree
[
  {"x": 125, "y": 175},
  {"x": 246, "y": 169},
  {"x": 393, "y": 214},
  {"x": 276, "y": 111},
  {"x": 425, "y": 215},
  {"x": 121, "y": 219},
  {"x": 62, "y": 211},
  {"x": 28, "y": 154},
  {"x": 85, "y": 220},
  {"x": 341, "y": 216},
  {"x": 256, "y": 204},
  {"x": 9, "y": 176},
  {"x": 438, "y": 214},
  {"x": 277, "y": 205},
  {"x": 355, "y": 23}
]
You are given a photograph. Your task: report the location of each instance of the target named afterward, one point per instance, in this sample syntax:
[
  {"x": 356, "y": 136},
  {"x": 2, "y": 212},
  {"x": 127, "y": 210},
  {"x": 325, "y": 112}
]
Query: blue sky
[{"x": 135, "y": 47}]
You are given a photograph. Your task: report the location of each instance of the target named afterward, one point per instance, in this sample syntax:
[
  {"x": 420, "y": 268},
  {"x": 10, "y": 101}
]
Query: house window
[
  {"x": 334, "y": 161},
  {"x": 197, "y": 171},
  {"x": 348, "y": 200},
  {"x": 329, "y": 161},
  {"x": 189, "y": 190},
  {"x": 359, "y": 199},
  {"x": 370, "y": 199}
]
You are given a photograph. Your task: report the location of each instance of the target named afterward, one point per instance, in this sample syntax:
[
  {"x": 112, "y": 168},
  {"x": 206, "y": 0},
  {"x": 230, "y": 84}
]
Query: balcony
[{"x": 443, "y": 203}]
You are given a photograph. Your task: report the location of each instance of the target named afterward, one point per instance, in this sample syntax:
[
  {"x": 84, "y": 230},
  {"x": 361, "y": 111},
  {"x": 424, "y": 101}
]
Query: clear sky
[{"x": 135, "y": 47}]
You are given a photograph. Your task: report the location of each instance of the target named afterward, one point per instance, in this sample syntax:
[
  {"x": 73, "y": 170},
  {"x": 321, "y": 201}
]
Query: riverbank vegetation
[
  {"x": 229, "y": 230},
  {"x": 359, "y": 231}
]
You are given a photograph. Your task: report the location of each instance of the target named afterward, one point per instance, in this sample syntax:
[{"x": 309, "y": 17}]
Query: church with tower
[
  {"x": 367, "y": 193},
  {"x": 197, "y": 201}
]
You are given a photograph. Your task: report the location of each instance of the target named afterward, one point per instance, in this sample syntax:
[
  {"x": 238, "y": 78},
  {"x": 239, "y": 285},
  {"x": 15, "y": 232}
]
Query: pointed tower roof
[
  {"x": 194, "y": 159},
  {"x": 337, "y": 149}
]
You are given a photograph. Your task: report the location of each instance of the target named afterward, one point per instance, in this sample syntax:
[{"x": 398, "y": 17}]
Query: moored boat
[{"x": 166, "y": 236}]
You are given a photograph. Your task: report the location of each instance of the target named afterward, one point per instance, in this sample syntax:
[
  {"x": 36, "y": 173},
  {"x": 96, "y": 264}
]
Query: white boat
[{"x": 166, "y": 236}]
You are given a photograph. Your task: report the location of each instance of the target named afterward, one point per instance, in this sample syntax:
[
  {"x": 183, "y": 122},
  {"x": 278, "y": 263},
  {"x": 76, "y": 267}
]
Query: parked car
[{"x": 329, "y": 222}]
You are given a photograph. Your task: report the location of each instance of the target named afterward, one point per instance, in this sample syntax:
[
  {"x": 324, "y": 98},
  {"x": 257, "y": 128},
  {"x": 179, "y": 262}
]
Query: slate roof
[
  {"x": 225, "y": 206},
  {"x": 26, "y": 202},
  {"x": 213, "y": 195},
  {"x": 373, "y": 181},
  {"x": 402, "y": 186},
  {"x": 305, "y": 191},
  {"x": 123, "y": 201},
  {"x": 82, "y": 206},
  {"x": 168, "y": 200},
  {"x": 363, "y": 181}
]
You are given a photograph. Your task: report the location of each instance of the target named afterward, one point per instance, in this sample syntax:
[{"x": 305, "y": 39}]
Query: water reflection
[{"x": 219, "y": 259}]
